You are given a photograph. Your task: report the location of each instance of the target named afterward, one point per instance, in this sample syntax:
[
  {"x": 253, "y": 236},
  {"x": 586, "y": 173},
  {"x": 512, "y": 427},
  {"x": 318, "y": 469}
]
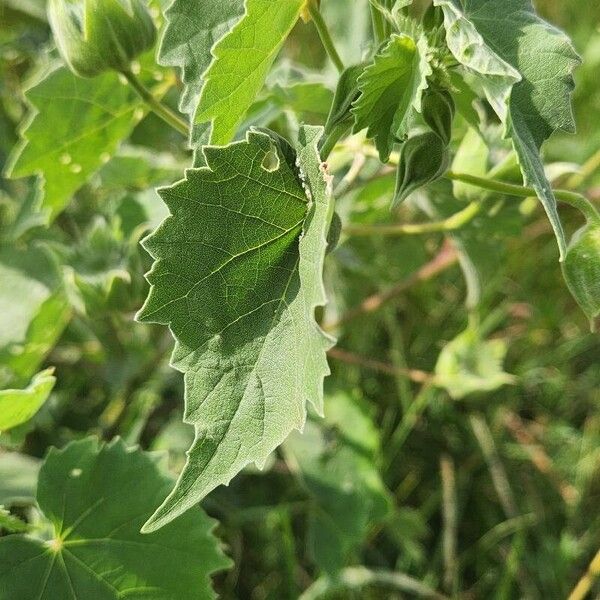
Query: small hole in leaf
[
  {"x": 270, "y": 162},
  {"x": 76, "y": 472}
]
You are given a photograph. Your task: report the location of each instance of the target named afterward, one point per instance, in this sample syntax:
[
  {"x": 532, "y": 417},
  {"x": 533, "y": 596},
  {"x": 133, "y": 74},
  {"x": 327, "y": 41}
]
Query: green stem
[
  {"x": 574, "y": 199},
  {"x": 378, "y": 24},
  {"x": 352, "y": 581},
  {"x": 456, "y": 221},
  {"x": 165, "y": 113},
  {"x": 325, "y": 36}
]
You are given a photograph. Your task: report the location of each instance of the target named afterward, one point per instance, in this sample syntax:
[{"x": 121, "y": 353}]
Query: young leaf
[
  {"x": 469, "y": 364},
  {"x": 390, "y": 89},
  {"x": 237, "y": 278},
  {"x": 76, "y": 126},
  {"x": 242, "y": 60},
  {"x": 96, "y": 497},
  {"x": 346, "y": 93},
  {"x": 509, "y": 40},
  {"x": 336, "y": 460},
  {"x": 18, "y": 406},
  {"x": 192, "y": 30}
]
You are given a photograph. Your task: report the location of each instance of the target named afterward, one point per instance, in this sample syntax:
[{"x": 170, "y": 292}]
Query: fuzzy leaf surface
[
  {"x": 76, "y": 126},
  {"x": 237, "y": 278},
  {"x": 97, "y": 497},
  {"x": 390, "y": 89},
  {"x": 487, "y": 37},
  {"x": 242, "y": 60}
]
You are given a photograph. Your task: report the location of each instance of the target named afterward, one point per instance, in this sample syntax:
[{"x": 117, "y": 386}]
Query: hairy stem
[
  {"x": 157, "y": 107},
  {"x": 325, "y": 36}
]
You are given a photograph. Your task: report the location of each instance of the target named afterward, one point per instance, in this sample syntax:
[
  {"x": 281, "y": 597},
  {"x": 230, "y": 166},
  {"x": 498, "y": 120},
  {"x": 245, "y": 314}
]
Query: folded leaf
[
  {"x": 390, "y": 89},
  {"x": 237, "y": 278},
  {"x": 525, "y": 65},
  {"x": 242, "y": 60},
  {"x": 18, "y": 406},
  {"x": 96, "y": 498}
]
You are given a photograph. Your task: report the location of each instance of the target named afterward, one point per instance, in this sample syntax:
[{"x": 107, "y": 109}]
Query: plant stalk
[
  {"x": 574, "y": 199},
  {"x": 456, "y": 221},
  {"x": 325, "y": 36},
  {"x": 157, "y": 107}
]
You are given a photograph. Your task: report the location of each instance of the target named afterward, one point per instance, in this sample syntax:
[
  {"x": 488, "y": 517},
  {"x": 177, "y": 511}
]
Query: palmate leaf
[
  {"x": 18, "y": 406},
  {"x": 336, "y": 459},
  {"x": 391, "y": 88},
  {"x": 192, "y": 29},
  {"x": 506, "y": 43},
  {"x": 237, "y": 278},
  {"x": 75, "y": 127},
  {"x": 242, "y": 60},
  {"x": 96, "y": 498}
]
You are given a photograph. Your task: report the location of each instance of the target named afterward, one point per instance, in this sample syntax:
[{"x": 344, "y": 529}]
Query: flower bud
[
  {"x": 423, "y": 159},
  {"x": 581, "y": 270},
  {"x": 94, "y": 36},
  {"x": 438, "y": 112}
]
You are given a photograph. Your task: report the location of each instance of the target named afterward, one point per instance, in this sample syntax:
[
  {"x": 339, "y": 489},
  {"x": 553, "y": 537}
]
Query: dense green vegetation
[{"x": 360, "y": 210}]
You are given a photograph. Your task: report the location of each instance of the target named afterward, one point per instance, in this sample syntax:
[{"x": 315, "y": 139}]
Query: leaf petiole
[
  {"x": 325, "y": 36},
  {"x": 574, "y": 199},
  {"x": 157, "y": 107},
  {"x": 456, "y": 221}
]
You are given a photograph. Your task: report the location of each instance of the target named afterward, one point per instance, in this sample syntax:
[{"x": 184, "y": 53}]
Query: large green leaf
[
  {"x": 96, "y": 498},
  {"x": 524, "y": 64},
  {"x": 18, "y": 406},
  {"x": 75, "y": 127},
  {"x": 242, "y": 60},
  {"x": 237, "y": 278},
  {"x": 337, "y": 461},
  {"x": 192, "y": 29},
  {"x": 34, "y": 311},
  {"x": 391, "y": 88}
]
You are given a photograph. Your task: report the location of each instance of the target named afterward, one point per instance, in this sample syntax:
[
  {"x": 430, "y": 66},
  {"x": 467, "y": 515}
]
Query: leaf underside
[
  {"x": 518, "y": 56},
  {"x": 237, "y": 278},
  {"x": 97, "y": 497}
]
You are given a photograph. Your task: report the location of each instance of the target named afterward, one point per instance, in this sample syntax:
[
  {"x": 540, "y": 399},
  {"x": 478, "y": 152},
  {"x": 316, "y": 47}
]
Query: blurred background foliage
[{"x": 479, "y": 493}]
